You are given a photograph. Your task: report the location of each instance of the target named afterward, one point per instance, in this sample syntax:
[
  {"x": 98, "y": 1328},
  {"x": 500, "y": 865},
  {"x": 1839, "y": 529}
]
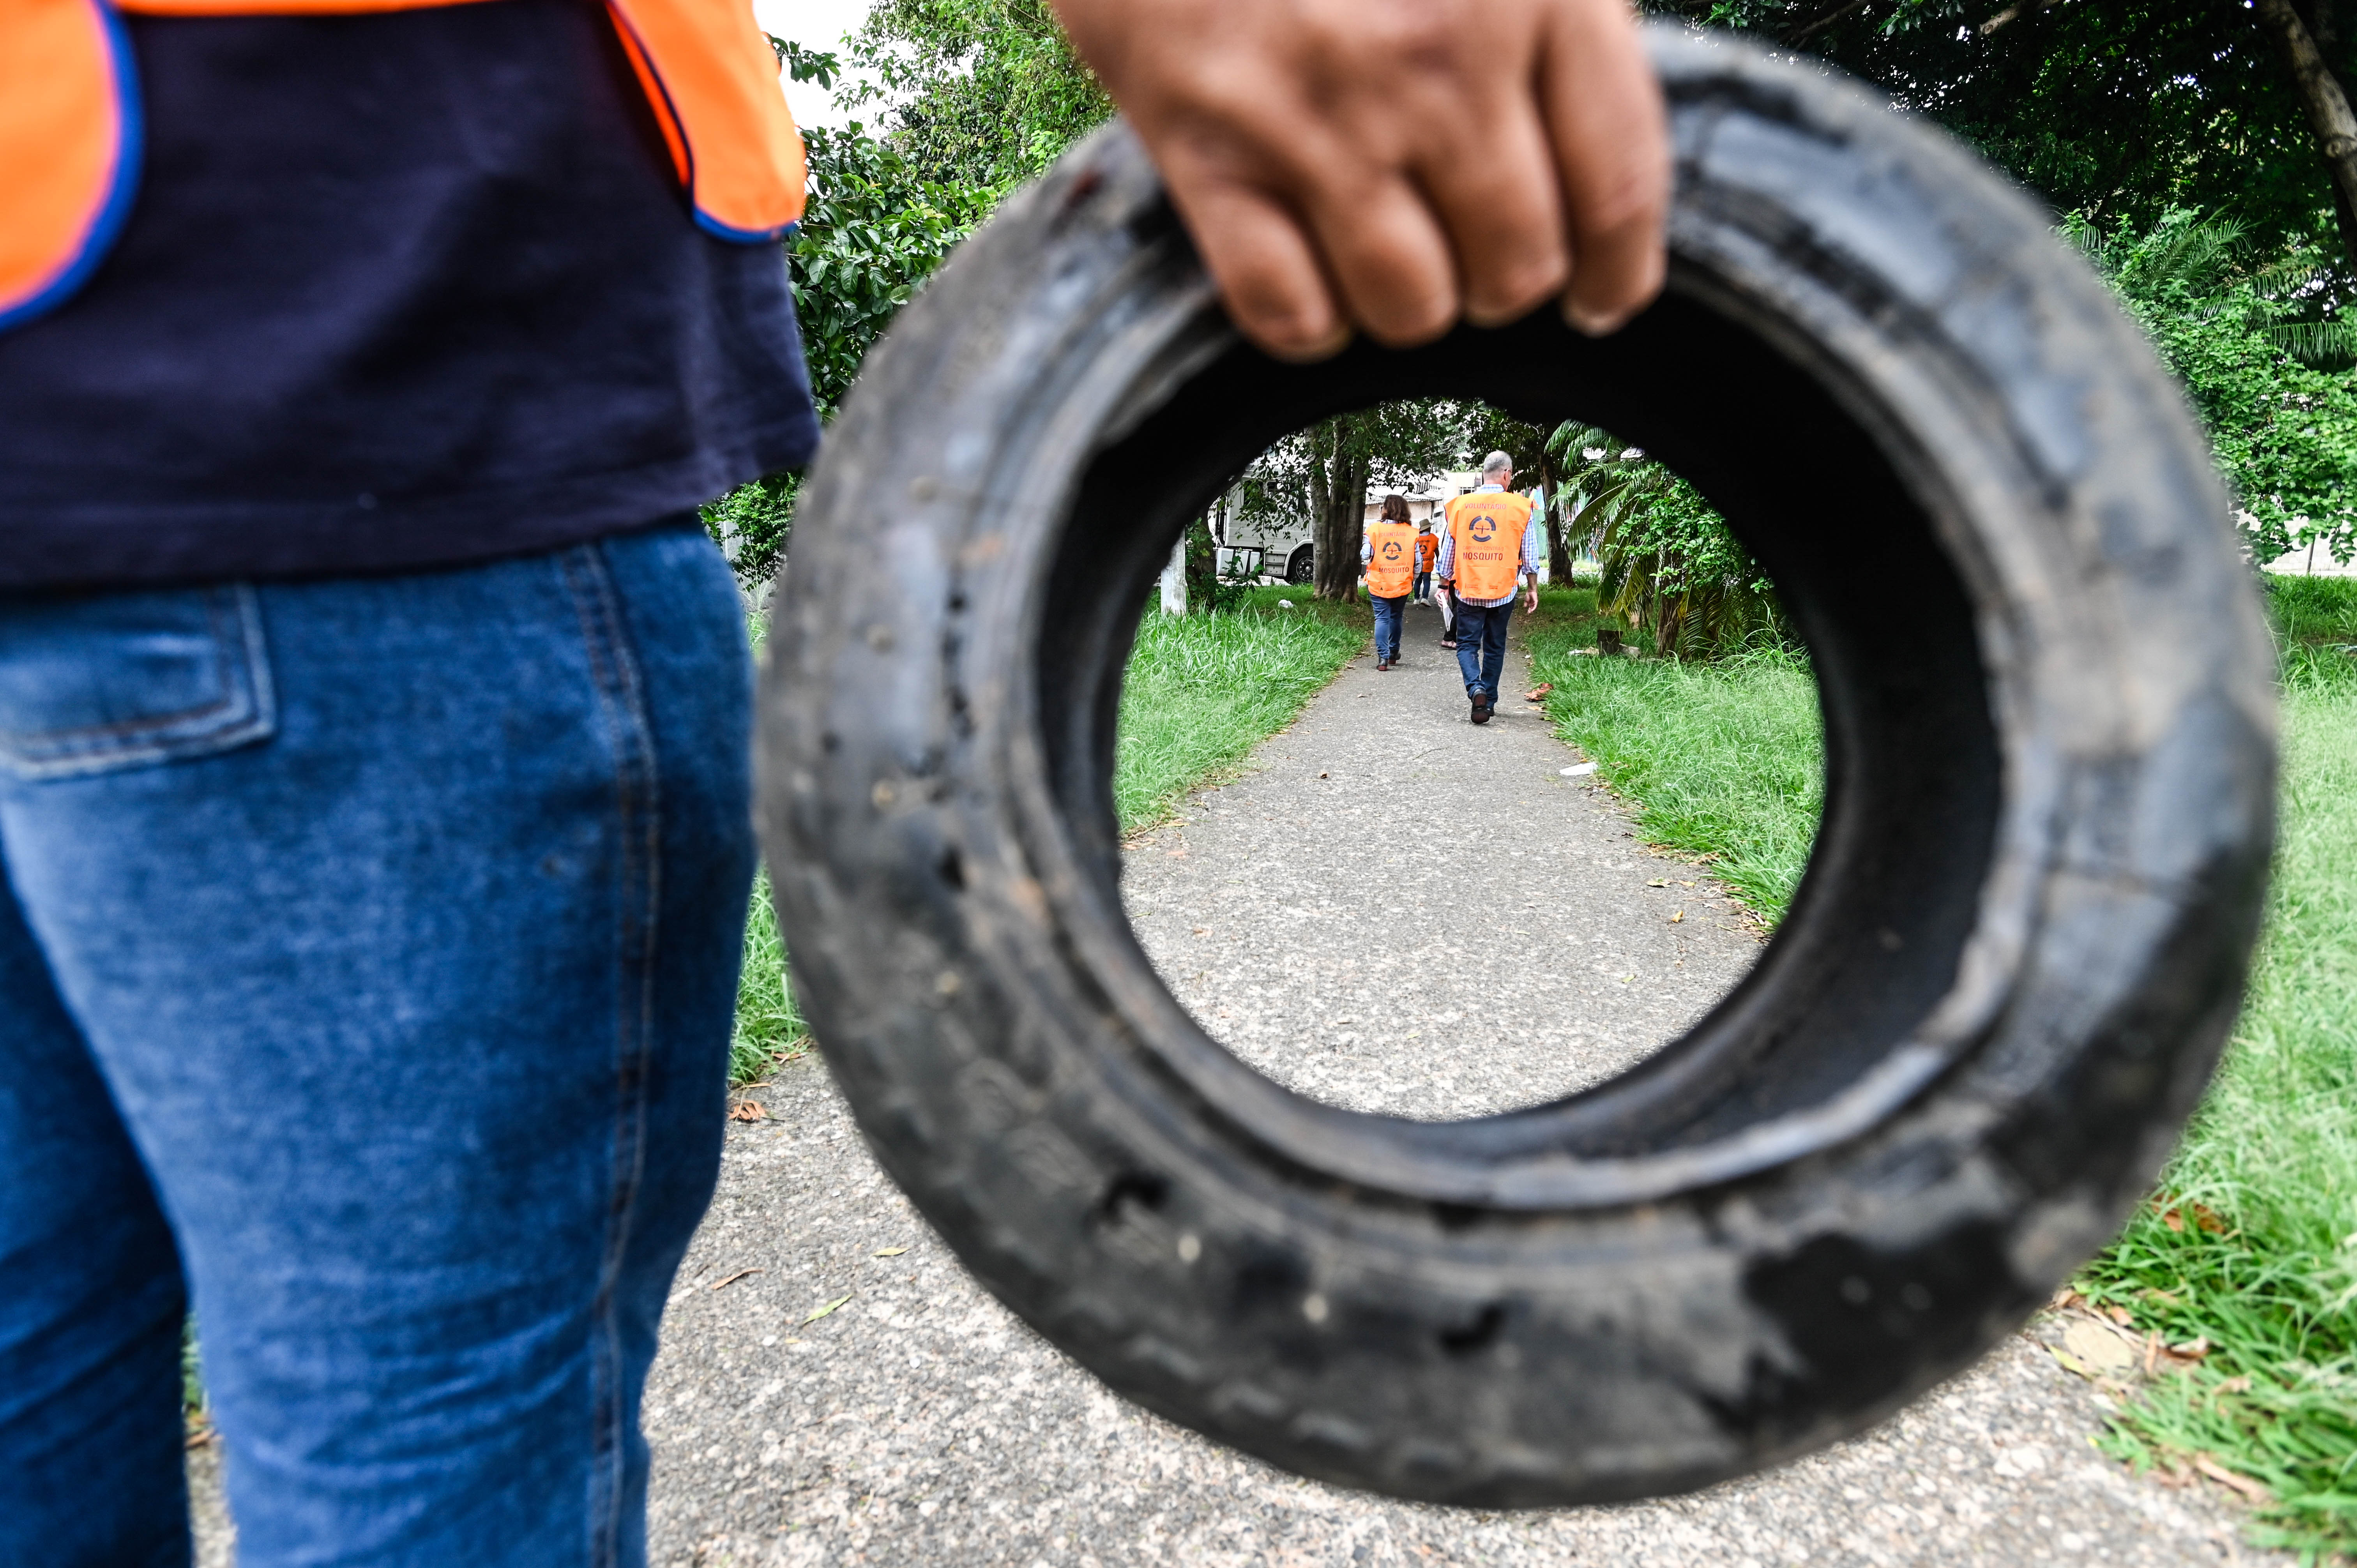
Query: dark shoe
[
  {"x": 1381, "y": 665},
  {"x": 1446, "y": 643},
  {"x": 1482, "y": 706}
]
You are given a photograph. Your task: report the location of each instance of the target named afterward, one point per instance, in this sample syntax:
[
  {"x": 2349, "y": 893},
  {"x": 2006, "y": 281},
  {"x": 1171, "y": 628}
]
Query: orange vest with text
[
  {"x": 69, "y": 122},
  {"x": 1428, "y": 549},
  {"x": 1488, "y": 554},
  {"x": 1390, "y": 559}
]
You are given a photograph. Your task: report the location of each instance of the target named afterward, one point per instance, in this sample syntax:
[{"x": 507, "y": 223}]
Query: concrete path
[
  {"x": 1323, "y": 928},
  {"x": 1401, "y": 912}
]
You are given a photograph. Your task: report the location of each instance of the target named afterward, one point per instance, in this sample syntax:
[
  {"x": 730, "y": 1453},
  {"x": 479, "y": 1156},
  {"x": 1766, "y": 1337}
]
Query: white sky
[{"x": 818, "y": 25}]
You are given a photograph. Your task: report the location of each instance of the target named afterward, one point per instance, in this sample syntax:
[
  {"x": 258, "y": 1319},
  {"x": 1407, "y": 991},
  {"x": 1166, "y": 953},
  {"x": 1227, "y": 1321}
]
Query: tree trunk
[
  {"x": 1343, "y": 522},
  {"x": 2330, "y": 118},
  {"x": 1559, "y": 548}
]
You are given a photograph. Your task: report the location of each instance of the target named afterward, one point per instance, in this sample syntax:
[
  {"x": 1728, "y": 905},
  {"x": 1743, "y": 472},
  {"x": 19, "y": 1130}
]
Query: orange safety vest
[
  {"x": 1391, "y": 561},
  {"x": 1428, "y": 549},
  {"x": 1488, "y": 554},
  {"x": 69, "y": 124}
]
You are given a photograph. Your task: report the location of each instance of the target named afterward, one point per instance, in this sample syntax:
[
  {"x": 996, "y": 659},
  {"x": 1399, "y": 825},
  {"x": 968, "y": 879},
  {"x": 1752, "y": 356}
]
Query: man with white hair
[{"x": 1491, "y": 545}]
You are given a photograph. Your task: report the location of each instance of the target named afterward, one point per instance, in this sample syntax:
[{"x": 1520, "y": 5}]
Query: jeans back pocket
[{"x": 98, "y": 682}]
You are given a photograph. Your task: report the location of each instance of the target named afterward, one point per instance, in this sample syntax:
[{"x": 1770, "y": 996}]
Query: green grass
[
  {"x": 1203, "y": 689},
  {"x": 1201, "y": 692},
  {"x": 1723, "y": 759},
  {"x": 2273, "y": 1154},
  {"x": 770, "y": 1027},
  {"x": 2263, "y": 1264}
]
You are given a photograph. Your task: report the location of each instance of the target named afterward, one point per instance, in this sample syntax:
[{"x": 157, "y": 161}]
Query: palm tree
[{"x": 1670, "y": 566}]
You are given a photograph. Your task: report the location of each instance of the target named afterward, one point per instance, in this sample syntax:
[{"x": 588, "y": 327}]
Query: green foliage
[
  {"x": 2122, "y": 110},
  {"x": 751, "y": 524},
  {"x": 1723, "y": 760},
  {"x": 1202, "y": 691},
  {"x": 2284, "y": 432},
  {"x": 1670, "y": 564},
  {"x": 874, "y": 229},
  {"x": 1207, "y": 593},
  {"x": 987, "y": 93}
]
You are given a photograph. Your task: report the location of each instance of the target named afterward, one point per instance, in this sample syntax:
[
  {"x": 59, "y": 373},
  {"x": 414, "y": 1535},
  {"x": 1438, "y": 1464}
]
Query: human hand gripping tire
[{"x": 1394, "y": 166}]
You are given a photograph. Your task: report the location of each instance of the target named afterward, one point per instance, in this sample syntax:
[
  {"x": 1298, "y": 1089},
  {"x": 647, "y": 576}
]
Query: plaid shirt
[{"x": 1534, "y": 555}]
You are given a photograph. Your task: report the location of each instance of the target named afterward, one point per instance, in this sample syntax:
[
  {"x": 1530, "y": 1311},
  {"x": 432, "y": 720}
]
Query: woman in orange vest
[
  {"x": 1387, "y": 561},
  {"x": 374, "y": 721}
]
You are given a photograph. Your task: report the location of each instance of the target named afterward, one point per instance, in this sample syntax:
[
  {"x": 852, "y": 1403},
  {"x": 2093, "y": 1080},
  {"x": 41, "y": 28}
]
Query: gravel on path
[{"x": 833, "y": 1388}]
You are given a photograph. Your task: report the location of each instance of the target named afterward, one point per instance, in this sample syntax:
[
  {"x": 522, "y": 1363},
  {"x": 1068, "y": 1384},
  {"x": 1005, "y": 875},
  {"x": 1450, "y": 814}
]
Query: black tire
[
  {"x": 2047, "y": 702},
  {"x": 1301, "y": 566}
]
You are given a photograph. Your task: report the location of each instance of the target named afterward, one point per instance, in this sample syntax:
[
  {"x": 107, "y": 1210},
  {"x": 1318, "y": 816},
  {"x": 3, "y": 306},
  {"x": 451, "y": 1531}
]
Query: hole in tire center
[
  {"x": 1840, "y": 518},
  {"x": 1388, "y": 908}
]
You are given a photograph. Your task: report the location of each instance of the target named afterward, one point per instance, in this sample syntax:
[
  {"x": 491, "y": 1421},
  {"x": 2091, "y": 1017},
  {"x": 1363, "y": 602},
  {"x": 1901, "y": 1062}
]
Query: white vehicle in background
[{"x": 1252, "y": 548}]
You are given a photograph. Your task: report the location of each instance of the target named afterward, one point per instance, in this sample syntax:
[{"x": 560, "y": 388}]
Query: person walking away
[
  {"x": 1491, "y": 541},
  {"x": 1427, "y": 548},
  {"x": 1387, "y": 560}
]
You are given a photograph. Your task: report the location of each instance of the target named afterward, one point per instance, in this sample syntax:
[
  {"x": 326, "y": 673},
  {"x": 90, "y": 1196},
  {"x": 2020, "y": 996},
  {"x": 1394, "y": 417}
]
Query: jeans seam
[{"x": 622, "y": 698}]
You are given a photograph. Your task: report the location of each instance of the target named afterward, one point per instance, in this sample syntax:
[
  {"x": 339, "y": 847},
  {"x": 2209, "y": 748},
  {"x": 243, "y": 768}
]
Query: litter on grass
[{"x": 1578, "y": 770}]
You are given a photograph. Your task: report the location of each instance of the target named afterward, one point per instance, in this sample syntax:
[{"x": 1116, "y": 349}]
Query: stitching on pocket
[{"x": 245, "y": 712}]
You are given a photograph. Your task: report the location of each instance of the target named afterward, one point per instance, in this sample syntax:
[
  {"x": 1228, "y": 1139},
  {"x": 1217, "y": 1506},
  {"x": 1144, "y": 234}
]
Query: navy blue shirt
[{"x": 398, "y": 291}]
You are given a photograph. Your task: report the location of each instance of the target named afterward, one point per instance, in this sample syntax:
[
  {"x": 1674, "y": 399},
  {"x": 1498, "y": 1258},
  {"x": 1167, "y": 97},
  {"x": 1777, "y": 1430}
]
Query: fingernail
[
  {"x": 1303, "y": 352},
  {"x": 1593, "y": 323}
]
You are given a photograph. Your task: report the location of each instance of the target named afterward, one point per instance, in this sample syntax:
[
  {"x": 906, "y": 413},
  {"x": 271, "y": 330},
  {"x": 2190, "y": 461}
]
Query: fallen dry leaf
[
  {"x": 1659, "y": 882},
  {"x": 1179, "y": 854},
  {"x": 1539, "y": 693},
  {"x": 748, "y": 1110},
  {"x": 2254, "y": 1490},
  {"x": 2064, "y": 1297},
  {"x": 2096, "y": 1345},
  {"x": 2119, "y": 1315},
  {"x": 2235, "y": 1386},
  {"x": 2204, "y": 1218},
  {"x": 732, "y": 1279},
  {"x": 889, "y": 1252},
  {"x": 817, "y": 1313},
  {"x": 1678, "y": 917}
]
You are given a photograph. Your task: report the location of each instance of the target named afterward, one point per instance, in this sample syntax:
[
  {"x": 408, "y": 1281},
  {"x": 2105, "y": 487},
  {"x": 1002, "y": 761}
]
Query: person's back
[
  {"x": 1487, "y": 552},
  {"x": 1387, "y": 557}
]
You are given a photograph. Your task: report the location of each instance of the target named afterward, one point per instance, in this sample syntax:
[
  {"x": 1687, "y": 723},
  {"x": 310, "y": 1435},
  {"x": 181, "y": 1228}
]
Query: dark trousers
[
  {"x": 1423, "y": 587},
  {"x": 1482, "y": 646},
  {"x": 1387, "y": 626}
]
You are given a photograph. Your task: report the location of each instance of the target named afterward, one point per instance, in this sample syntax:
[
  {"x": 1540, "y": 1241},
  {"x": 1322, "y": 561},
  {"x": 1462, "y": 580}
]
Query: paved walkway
[{"x": 1313, "y": 920}]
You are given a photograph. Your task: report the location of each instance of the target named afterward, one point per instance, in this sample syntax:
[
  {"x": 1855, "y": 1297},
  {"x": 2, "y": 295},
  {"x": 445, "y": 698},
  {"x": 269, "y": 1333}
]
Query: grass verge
[
  {"x": 1201, "y": 691},
  {"x": 2247, "y": 1256},
  {"x": 1723, "y": 761},
  {"x": 2251, "y": 1245}
]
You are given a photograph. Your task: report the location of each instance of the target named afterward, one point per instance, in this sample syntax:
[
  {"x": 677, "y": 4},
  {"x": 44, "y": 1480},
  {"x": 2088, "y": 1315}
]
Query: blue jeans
[
  {"x": 1387, "y": 627},
  {"x": 1422, "y": 590},
  {"x": 367, "y": 955},
  {"x": 1482, "y": 646}
]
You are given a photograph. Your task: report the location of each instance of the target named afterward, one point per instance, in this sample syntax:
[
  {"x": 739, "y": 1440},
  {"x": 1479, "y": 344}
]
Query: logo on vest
[
  {"x": 1483, "y": 528},
  {"x": 1391, "y": 550}
]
